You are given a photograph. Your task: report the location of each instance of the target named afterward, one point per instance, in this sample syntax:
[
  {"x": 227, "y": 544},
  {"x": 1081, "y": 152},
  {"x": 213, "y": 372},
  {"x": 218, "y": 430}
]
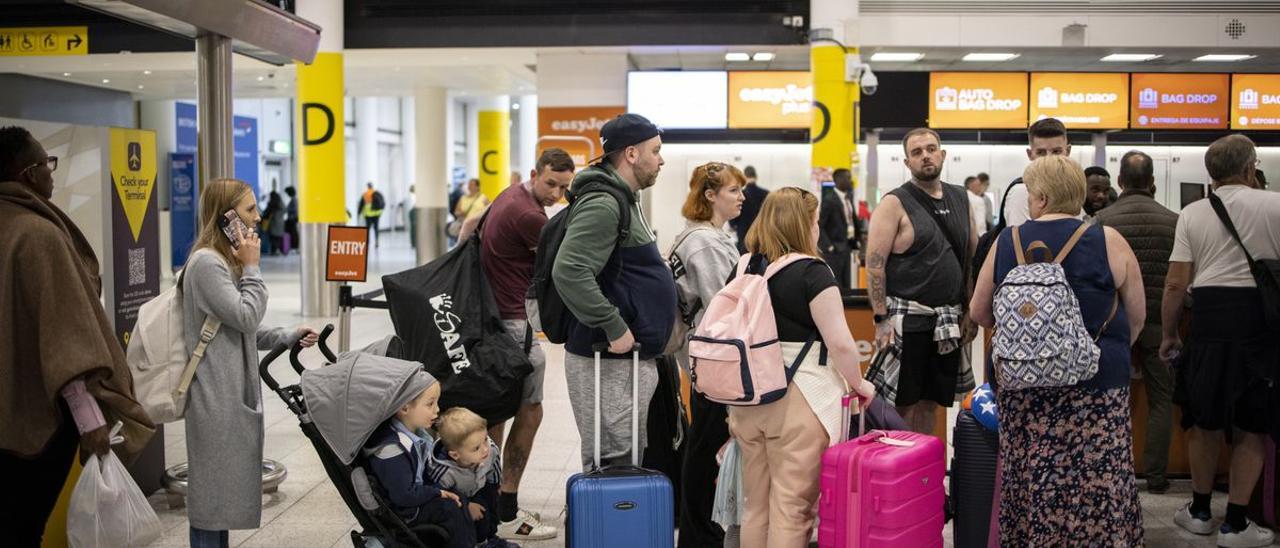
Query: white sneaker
[
  {"x": 526, "y": 526},
  {"x": 1252, "y": 536},
  {"x": 1199, "y": 525}
]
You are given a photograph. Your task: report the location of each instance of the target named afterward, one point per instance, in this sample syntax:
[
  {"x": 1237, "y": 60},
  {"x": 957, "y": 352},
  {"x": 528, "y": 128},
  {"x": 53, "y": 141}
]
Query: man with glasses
[{"x": 63, "y": 376}]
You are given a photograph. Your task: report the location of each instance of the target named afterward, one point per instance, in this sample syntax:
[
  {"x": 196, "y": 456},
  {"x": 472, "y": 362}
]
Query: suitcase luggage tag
[{"x": 845, "y": 402}]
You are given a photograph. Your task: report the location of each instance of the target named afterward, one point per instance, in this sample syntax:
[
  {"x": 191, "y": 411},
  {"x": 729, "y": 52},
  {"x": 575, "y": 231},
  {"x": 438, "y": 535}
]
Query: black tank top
[{"x": 928, "y": 272}]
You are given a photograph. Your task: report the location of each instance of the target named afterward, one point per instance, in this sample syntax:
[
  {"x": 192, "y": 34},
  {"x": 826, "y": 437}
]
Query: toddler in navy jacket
[{"x": 466, "y": 461}]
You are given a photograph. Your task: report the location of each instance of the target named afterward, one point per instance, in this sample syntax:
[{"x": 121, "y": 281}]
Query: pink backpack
[{"x": 735, "y": 355}]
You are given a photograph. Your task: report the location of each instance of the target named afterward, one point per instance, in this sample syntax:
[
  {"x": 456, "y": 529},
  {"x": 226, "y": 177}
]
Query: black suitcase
[{"x": 973, "y": 480}]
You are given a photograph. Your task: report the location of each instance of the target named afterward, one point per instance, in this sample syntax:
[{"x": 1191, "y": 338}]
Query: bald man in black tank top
[{"x": 920, "y": 240}]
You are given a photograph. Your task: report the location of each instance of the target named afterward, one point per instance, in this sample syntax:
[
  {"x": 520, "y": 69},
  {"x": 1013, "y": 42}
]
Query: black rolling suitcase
[{"x": 973, "y": 480}]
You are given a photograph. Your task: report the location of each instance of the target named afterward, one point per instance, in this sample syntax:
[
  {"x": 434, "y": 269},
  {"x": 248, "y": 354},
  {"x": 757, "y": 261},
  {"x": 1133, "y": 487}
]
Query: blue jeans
[{"x": 201, "y": 538}]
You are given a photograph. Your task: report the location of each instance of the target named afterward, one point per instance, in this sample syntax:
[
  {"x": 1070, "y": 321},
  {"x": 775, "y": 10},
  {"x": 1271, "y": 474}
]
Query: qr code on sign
[{"x": 138, "y": 266}]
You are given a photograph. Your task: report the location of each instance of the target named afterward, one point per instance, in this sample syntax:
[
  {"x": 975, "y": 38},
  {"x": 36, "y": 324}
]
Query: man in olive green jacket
[{"x": 617, "y": 286}]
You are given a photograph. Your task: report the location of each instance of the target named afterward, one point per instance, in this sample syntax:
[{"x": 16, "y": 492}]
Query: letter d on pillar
[
  {"x": 835, "y": 126},
  {"x": 321, "y": 156},
  {"x": 321, "y": 181}
]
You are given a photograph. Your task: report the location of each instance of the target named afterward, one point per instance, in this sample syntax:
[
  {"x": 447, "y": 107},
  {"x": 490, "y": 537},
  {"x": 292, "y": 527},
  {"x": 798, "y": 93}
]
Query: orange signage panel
[
  {"x": 770, "y": 99},
  {"x": 1081, "y": 100},
  {"x": 347, "y": 259},
  {"x": 1255, "y": 101},
  {"x": 978, "y": 100},
  {"x": 574, "y": 129},
  {"x": 1179, "y": 101}
]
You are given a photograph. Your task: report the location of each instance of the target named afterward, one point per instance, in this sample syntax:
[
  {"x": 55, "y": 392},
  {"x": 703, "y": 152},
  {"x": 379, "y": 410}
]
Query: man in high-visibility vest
[{"x": 370, "y": 207}]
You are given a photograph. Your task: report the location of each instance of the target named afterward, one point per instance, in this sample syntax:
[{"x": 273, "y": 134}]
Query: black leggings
[
  {"x": 708, "y": 432},
  {"x": 32, "y": 486}
]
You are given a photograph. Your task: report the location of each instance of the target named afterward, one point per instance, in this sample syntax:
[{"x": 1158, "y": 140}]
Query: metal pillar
[
  {"x": 1100, "y": 148},
  {"x": 214, "y": 108}
]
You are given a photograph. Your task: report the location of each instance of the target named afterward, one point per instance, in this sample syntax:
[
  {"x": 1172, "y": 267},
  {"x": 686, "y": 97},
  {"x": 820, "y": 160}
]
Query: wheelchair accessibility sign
[{"x": 35, "y": 41}]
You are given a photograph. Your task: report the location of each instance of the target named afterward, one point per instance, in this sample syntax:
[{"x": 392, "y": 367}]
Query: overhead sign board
[
  {"x": 25, "y": 41},
  {"x": 1179, "y": 101},
  {"x": 680, "y": 100},
  {"x": 1081, "y": 100},
  {"x": 574, "y": 129},
  {"x": 971, "y": 100},
  {"x": 770, "y": 100},
  {"x": 1255, "y": 101}
]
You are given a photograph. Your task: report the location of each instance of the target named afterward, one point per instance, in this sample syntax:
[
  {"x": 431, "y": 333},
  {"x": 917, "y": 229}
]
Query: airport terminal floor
[{"x": 307, "y": 510}]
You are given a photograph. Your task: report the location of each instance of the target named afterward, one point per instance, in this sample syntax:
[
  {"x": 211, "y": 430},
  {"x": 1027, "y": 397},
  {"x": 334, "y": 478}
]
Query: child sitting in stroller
[
  {"x": 397, "y": 454},
  {"x": 466, "y": 461}
]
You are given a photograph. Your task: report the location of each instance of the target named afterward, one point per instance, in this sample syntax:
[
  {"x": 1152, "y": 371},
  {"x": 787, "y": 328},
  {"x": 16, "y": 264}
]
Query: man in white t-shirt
[
  {"x": 1223, "y": 371},
  {"x": 1047, "y": 137}
]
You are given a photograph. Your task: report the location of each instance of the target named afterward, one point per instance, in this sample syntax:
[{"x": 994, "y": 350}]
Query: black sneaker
[{"x": 1158, "y": 487}]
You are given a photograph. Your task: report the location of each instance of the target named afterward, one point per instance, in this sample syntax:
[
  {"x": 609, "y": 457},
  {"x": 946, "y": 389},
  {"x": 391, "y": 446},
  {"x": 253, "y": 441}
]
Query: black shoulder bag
[{"x": 1265, "y": 272}]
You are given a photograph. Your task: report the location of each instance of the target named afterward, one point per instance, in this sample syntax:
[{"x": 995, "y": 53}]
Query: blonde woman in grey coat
[{"x": 224, "y": 413}]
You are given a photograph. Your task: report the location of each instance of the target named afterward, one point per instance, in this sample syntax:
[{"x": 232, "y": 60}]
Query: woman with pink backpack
[{"x": 782, "y": 424}]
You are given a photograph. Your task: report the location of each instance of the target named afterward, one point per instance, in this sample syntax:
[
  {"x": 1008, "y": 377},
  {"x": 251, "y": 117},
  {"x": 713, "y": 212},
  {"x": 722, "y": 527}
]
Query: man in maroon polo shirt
[{"x": 508, "y": 239}]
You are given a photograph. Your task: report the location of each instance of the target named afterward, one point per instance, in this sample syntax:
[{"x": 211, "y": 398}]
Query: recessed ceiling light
[
  {"x": 106, "y": 81},
  {"x": 515, "y": 106},
  {"x": 1130, "y": 57},
  {"x": 67, "y": 74},
  {"x": 737, "y": 57},
  {"x": 763, "y": 56},
  {"x": 261, "y": 78},
  {"x": 991, "y": 57},
  {"x": 886, "y": 57},
  {"x": 1223, "y": 57},
  {"x": 140, "y": 86},
  {"x": 146, "y": 72}
]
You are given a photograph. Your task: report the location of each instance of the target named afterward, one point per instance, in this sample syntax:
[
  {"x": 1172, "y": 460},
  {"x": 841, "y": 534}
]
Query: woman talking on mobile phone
[{"x": 222, "y": 281}]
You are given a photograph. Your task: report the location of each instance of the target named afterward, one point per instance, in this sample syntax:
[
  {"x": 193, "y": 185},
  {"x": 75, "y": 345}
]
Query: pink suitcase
[{"x": 882, "y": 489}]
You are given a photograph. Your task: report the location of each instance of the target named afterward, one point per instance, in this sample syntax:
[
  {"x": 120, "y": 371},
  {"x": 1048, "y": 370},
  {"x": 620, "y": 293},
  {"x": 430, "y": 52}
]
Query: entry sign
[
  {"x": 348, "y": 253},
  {"x": 32, "y": 41}
]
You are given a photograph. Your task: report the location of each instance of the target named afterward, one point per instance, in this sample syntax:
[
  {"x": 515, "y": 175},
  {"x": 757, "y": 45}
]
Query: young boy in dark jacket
[
  {"x": 466, "y": 461},
  {"x": 397, "y": 453}
]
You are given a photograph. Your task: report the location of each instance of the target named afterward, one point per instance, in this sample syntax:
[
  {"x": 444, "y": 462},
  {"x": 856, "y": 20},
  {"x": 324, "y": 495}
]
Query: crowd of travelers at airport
[{"x": 1171, "y": 297}]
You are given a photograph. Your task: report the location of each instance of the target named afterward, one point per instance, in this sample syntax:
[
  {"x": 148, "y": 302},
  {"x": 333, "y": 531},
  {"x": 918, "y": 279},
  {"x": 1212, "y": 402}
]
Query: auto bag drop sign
[
  {"x": 1255, "y": 101},
  {"x": 1179, "y": 101},
  {"x": 967, "y": 100}
]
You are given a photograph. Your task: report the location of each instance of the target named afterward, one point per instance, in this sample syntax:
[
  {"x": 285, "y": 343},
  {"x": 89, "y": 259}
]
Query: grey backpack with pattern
[{"x": 1040, "y": 339}]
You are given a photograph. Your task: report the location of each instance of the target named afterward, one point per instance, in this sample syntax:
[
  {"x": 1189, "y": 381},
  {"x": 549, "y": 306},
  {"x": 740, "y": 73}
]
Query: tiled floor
[{"x": 307, "y": 511}]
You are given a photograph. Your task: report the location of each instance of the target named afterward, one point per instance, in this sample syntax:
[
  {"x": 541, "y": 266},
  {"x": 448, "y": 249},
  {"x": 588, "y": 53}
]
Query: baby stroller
[{"x": 338, "y": 407}]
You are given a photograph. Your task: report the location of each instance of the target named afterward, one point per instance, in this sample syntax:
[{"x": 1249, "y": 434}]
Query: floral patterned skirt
[{"x": 1067, "y": 471}]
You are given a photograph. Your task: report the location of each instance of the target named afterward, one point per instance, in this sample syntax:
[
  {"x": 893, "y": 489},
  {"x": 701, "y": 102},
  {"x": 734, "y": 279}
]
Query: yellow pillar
[
  {"x": 833, "y": 133},
  {"x": 494, "y": 138}
]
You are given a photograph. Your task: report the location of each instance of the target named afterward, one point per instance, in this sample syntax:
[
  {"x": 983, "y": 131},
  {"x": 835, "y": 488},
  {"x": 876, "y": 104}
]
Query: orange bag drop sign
[
  {"x": 1081, "y": 100},
  {"x": 1255, "y": 101},
  {"x": 978, "y": 100},
  {"x": 347, "y": 259},
  {"x": 1179, "y": 101}
]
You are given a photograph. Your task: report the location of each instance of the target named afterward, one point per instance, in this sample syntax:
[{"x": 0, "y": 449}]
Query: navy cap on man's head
[{"x": 626, "y": 130}]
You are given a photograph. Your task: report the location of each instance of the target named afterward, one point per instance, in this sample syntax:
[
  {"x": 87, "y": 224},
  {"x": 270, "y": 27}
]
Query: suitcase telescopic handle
[
  {"x": 844, "y": 417},
  {"x": 598, "y": 349}
]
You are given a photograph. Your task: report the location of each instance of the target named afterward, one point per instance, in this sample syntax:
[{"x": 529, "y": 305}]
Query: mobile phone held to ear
[{"x": 232, "y": 227}]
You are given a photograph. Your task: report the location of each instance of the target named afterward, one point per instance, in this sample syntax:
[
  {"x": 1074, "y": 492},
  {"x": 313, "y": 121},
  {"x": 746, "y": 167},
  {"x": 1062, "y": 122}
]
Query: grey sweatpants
[{"x": 615, "y": 405}]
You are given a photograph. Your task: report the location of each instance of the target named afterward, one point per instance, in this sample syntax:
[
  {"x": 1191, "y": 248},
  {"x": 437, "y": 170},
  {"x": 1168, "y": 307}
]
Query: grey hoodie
[{"x": 465, "y": 481}]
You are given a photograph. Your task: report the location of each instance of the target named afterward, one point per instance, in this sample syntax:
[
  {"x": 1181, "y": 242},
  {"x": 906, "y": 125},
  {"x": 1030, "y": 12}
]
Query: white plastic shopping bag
[{"x": 107, "y": 508}]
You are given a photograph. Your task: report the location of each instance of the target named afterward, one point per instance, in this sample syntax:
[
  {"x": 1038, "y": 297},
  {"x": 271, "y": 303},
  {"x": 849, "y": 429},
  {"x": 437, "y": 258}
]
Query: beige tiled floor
[{"x": 307, "y": 511}]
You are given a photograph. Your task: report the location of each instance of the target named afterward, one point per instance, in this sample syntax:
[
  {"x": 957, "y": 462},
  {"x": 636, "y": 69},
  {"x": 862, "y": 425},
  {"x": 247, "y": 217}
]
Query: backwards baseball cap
[{"x": 624, "y": 131}]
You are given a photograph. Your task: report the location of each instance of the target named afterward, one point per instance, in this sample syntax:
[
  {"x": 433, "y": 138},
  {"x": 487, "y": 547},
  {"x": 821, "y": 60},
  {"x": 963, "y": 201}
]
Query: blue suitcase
[{"x": 620, "y": 506}]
